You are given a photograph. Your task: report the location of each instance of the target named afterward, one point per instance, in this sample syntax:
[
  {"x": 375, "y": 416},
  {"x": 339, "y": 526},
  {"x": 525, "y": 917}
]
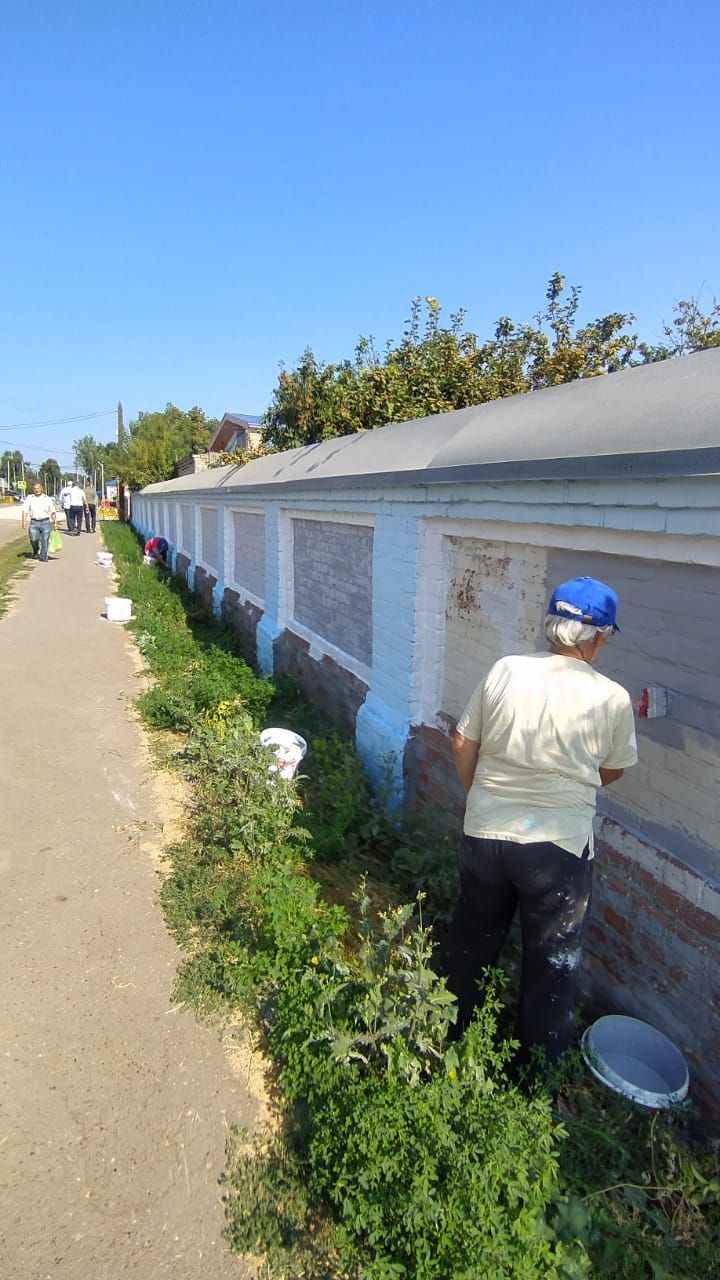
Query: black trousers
[{"x": 553, "y": 890}]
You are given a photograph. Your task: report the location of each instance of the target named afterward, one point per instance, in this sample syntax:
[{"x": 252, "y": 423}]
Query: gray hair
[{"x": 571, "y": 634}]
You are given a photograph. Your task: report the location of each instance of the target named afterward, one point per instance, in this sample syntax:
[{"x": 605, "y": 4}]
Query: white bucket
[
  {"x": 118, "y": 608},
  {"x": 149, "y": 560},
  {"x": 633, "y": 1058},
  {"x": 287, "y": 747},
  {"x": 104, "y": 558}
]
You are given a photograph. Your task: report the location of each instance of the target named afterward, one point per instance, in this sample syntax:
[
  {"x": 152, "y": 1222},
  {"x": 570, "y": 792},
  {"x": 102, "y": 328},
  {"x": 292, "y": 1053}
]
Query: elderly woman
[{"x": 539, "y": 735}]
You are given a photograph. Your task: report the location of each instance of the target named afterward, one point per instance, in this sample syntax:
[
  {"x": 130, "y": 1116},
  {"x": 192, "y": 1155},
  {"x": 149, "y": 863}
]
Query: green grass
[{"x": 15, "y": 558}]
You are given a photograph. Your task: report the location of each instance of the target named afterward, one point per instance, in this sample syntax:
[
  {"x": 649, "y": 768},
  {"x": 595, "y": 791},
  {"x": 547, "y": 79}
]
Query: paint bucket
[
  {"x": 104, "y": 559},
  {"x": 287, "y": 747},
  {"x": 118, "y": 608},
  {"x": 635, "y": 1059}
]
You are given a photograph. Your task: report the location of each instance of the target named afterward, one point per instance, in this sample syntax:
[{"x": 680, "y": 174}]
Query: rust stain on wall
[{"x": 465, "y": 587}]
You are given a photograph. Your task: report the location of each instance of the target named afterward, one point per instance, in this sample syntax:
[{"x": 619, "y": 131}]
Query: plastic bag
[{"x": 55, "y": 542}]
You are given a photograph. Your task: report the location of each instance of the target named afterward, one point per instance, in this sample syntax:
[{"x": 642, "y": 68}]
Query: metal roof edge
[{"x": 649, "y": 465}]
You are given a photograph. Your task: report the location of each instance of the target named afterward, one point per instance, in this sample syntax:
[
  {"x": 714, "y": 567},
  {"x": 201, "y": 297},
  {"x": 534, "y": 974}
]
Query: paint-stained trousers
[{"x": 552, "y": 889}]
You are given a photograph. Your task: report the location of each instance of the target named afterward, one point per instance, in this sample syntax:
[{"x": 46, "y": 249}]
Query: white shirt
[
  {"x": 77, "y": 496},
  {"x": 38, "y": 507},
  {"x": 545, "y": 723}
]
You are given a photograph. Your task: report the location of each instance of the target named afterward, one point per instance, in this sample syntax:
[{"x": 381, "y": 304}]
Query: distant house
[{"x": 236, "y": 431}]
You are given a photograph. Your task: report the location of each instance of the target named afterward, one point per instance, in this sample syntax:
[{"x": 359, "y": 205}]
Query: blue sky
[{"x": 195, "y": 191}]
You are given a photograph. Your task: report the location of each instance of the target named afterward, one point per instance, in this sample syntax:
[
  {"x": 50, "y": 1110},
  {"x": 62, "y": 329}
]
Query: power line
[
  {"x": 56, "y": 422},
  {"x": 45, "y": 448}
]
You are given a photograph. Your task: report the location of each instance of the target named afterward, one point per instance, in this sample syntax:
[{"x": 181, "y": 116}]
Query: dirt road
[{"x": 115, "y": 1103}]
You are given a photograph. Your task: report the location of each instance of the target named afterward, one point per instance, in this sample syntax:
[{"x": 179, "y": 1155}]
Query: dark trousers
[
  {"x": 552, "y": 889},
  {"x": 90, "y": 517},
  {"x": 75, "y": 519}
]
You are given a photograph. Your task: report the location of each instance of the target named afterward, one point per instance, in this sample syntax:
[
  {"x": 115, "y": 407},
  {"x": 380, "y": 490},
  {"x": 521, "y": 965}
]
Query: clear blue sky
[{"x": 194, "y": 190}]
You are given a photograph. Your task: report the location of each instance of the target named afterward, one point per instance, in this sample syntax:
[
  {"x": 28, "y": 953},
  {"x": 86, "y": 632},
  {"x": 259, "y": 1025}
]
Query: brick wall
[
  {"x": 331, "y": 687},
  {"x": 446, "y": 580},
  {"x": 494, "y": 605},
  {"x": 332, "y": 583},
  {"x": 654, "y": 950},
  {"x": 248, "y": 532},
  {"x": 243, "y": 617},
  {"x": 431, "y": 781},
  {"x": 186, "y": 526},
  {"x": 204, "y": 585},
  {"x": 670, "y": 620},
  {"x": 210, "y": 537}
]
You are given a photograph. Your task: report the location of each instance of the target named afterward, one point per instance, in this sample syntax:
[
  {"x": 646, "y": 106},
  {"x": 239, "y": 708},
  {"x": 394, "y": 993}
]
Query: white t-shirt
[
  {"x": 545, "y": 722},
  {"x": 38, "y": 506},
  {"x": 77, "y": 496}
]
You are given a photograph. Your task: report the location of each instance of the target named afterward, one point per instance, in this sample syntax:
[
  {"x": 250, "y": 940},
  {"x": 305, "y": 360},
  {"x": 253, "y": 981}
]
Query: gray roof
[{"x": 654, "y": 420}]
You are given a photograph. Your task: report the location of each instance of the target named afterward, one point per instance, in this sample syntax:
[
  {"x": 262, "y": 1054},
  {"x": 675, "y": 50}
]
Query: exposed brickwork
[
  {"x": 336, "y": 691},
  {"x": 332, "y": 575},
  {"x": 243, "y": 618},
  {"x": 430, "y": 778},
  {"x": 182, "y": 565},
  {"x": 204, "y": 586},
  {"x": 654, "y": 952}
]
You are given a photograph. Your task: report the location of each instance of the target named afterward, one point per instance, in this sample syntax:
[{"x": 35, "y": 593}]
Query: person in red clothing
[{"x": 157, "y": 548}]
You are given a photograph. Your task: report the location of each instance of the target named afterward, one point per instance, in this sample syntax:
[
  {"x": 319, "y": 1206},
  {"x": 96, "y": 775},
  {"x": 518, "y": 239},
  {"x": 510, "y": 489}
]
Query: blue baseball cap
[{"x": 585, "y": 600}]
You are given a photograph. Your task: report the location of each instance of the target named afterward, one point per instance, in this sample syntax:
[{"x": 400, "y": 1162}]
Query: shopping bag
[{"x": 55, "y": 542}]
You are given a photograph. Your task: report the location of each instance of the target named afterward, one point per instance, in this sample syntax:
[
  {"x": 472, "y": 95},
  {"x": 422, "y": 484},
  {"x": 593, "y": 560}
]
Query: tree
[
  {"x": 15, "y": 471},
  {"x": 154, "y": 443},
  {"x": 691, "y": 330},
  {"x": 50, "y": 475},
  {"x": 86, "y": 453},
  {"x": 434, "y": 369}
]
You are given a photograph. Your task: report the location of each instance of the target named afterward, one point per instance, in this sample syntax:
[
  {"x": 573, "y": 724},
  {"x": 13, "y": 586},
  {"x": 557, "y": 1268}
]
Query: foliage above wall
[
  {"x": 435, "y": 369},
  {"x": 151, "y": 447}
]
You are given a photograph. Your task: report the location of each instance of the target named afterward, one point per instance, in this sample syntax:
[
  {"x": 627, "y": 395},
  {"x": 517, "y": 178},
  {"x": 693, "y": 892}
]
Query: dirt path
[{"x": 114, "y": 1103}]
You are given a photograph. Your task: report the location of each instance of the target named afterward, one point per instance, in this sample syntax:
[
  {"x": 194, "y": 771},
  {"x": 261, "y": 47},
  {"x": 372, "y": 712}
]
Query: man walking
[
  {"x": 540, "y": 734},
  {"x": 38, "y": 514},
  {"x": 90, "y": 507},
  {"x": 77, "y": 504},
  {"x": 65, "y": 503}
]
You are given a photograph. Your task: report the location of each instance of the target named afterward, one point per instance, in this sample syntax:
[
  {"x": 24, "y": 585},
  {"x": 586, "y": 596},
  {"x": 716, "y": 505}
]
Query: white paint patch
[{"x": 565, "y": 959}]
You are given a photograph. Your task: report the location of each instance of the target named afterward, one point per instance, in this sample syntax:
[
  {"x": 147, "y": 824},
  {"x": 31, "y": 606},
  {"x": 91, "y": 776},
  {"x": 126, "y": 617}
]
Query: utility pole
[{"x": 121, "y": 446}]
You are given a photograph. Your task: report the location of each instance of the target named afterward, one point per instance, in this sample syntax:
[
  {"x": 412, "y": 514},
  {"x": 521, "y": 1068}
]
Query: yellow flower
[
  {"x": 314, "y": 960},
  {"x": 452, "y": 1073}
]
